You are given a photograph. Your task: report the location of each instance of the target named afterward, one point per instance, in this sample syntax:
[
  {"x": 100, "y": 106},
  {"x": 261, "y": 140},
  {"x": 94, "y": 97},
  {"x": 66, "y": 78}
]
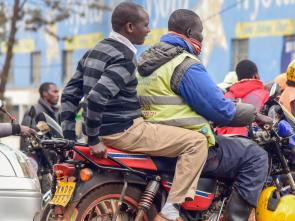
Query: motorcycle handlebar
[{"x": 58, "y": 143}]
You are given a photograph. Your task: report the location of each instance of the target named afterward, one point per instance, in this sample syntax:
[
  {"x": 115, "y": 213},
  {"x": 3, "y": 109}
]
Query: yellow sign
[
  {"x": 265, "y": 28},
  {"x": 21, "y": 46},
  {"x": 63, "y": 193},
  {"x": 154, "y": 36},
  {"x": 83, "y": 41}
]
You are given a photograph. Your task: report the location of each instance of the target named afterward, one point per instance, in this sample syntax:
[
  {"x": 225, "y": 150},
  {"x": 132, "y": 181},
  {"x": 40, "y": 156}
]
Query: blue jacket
[{"x": 200, "y": 92}]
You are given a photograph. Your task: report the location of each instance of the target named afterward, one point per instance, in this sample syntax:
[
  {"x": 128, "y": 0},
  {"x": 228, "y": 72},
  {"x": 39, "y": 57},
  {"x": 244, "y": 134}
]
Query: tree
[
  {"x": 34, "y": 21},
  {"x": 16, "y": 15}
]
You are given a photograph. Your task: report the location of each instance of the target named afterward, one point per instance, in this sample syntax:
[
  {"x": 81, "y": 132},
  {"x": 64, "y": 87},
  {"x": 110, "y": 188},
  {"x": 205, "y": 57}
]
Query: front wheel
[
  {"x": 101, "y": 204},
  {"x": 48, "y": 213}
]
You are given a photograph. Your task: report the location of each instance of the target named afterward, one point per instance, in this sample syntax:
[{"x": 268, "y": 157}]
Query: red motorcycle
[
  {"x": 124, "y": 186},
  {"x": 129, "y": 186}
]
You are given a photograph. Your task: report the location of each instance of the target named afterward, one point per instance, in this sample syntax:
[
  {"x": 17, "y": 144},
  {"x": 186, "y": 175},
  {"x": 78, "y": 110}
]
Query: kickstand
[{"x": 120, "y": 200}]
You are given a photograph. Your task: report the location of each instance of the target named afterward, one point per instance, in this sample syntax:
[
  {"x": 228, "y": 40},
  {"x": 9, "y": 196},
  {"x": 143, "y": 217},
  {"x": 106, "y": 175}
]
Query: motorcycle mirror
[{"x": 274, "y": 91}]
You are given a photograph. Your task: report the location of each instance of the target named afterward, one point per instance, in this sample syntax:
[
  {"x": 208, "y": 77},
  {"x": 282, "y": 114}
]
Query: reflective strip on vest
[
  {"x": 161, "y": 100},
  {"x": 183, "y": 122}
]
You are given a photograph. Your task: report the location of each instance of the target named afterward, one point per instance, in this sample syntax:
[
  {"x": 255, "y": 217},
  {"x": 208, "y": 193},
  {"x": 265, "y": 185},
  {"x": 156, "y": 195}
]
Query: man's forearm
[{"x": 8, "y": 129}]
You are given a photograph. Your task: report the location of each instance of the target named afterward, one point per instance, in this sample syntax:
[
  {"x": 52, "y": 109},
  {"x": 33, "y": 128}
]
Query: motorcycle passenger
[
  {"x": 105, "y": 76},
  {"x": 249, "y": 89},
  {"x": 8, "y": 129},
  {"x": 287, "y": 98},
  {"x": 175, "y": 89}
]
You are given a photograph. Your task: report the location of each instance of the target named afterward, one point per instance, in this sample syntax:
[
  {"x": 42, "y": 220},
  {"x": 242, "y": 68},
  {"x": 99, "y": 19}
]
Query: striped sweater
[{"x": 105, "y": 77}]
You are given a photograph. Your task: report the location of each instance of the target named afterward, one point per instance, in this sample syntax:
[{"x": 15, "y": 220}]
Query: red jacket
[{"x": 250, "y": 91}]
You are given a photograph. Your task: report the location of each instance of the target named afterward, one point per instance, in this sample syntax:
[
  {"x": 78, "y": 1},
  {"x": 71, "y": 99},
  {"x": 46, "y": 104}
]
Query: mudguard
[{"x": 99, "y": 179}]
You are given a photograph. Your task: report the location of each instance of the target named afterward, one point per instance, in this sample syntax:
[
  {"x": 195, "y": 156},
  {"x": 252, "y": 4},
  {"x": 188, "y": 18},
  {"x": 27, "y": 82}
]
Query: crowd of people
[{"x": 164, "y": 103}]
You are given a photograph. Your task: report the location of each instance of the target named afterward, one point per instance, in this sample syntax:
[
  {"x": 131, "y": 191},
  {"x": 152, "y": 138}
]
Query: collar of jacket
[
  {"x": 156, "y": 56},
  {"x": 244, "y": 87},
  {"x": 51, "y": 110},
  {"x": 177, "y": 41}
]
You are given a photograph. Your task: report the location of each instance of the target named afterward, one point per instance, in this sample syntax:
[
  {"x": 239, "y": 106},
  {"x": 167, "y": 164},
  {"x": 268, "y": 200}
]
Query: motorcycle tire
[
  {"x": 48, "y": 213},
  {"x": 103, "y": 198}
]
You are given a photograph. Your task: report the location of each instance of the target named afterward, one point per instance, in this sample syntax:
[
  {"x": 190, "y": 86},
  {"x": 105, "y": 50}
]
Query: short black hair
[
  {"x": 181, "y": 20},
  {"x": 246, "y": 69},
  {"x": 44, "y": 87},
  {"x": 125, "y": 12}
]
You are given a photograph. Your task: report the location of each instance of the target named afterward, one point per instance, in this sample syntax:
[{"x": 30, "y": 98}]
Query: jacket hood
[
  {"x": 156, "y": 56},
  {"x": 169, "y": 47},
  {"x": 242, "y": 88}
]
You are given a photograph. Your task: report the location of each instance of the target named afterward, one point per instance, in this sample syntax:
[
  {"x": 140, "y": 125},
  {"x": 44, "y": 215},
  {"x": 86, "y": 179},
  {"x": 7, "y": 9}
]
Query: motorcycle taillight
[{"x": 63, "y": 169}]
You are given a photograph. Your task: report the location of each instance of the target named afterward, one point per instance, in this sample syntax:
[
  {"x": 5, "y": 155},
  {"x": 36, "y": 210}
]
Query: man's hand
[
  {"x": 99, "y": 150},
  {"x": 263, "y": 119},
  {"x": 26, "y": 131}
]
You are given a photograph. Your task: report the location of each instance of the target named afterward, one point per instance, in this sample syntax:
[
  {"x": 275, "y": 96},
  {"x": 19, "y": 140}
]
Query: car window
[{"x": 6, "y": 168}]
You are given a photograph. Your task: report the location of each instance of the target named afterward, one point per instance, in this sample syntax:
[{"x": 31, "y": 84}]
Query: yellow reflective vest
[{"x": 161, "y": 105}]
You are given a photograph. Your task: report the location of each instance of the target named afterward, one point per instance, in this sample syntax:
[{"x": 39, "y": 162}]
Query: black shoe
[{"x": 237, "y": 209}]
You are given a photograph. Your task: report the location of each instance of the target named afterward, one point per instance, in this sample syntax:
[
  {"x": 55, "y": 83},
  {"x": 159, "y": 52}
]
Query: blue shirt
[{"x": 200, "y": 92}]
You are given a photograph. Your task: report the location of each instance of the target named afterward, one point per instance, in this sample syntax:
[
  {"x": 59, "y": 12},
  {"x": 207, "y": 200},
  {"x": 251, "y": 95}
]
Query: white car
[{"x": 20, "y": 193}]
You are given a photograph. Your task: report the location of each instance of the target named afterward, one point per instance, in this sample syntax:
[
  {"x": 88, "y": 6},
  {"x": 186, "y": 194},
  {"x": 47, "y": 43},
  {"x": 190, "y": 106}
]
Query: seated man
[
  {"x": 249, "y": 89},
  {"x": 175, "y": 89},
  {"x": 105, "y": 77},
  {"x": 287, "y": 98}
]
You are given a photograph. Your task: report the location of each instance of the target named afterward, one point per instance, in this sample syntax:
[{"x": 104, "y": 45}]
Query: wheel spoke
[
  {"x": 97, "y": 210},
  {"x": 90, "y": 214},
  {"x": 114, "y": 204},
  {"x": 105, "y": 210}
]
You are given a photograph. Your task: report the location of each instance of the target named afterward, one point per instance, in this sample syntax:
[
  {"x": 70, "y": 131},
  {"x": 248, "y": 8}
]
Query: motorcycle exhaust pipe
[{"x": 147, "y": 198}]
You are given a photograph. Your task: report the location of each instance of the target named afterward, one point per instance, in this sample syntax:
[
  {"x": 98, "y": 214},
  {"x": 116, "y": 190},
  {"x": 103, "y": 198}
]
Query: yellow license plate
[{"x": 63, "y": 193}]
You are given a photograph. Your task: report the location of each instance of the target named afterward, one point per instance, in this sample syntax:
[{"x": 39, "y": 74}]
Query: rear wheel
[{"x": 101, "y": 204}]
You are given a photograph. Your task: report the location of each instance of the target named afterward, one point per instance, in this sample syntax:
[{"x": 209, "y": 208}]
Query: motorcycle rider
[
  {"x": 287, "y": 98},
  {"x": 105, "y": 77},
  {"x": 47, "y": 103},
  {"x": 174, "y": 88},
  {"x": 249, "y": 89}
]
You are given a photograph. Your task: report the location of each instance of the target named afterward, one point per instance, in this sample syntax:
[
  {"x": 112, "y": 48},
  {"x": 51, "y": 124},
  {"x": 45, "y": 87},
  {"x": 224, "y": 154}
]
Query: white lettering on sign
[{"x": 257, "y": 6}]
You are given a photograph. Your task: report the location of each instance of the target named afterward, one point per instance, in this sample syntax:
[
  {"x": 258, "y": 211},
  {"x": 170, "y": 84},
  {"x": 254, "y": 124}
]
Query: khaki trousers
[{"x": 161, "y": 140}]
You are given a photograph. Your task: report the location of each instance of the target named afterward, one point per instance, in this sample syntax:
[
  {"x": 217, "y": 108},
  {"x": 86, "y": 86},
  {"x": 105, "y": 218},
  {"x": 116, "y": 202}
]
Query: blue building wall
[{"x": 221, "y": 21}]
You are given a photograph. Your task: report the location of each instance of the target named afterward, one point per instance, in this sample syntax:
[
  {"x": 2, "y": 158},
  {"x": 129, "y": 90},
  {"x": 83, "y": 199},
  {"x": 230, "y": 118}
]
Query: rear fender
[{"x": 100, "y": 179}]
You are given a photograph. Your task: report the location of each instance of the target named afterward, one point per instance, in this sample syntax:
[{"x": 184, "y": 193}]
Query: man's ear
[
  {"x": 129, "y": 27},
  {"x": 45, "y": 94},
  {"x": 189, "y": 32}
]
